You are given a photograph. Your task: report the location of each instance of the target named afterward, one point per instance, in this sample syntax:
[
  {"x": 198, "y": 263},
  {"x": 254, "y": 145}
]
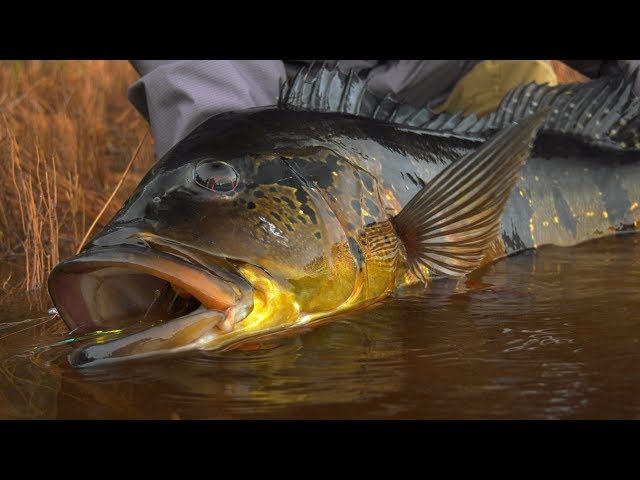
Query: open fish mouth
[{"x": 121, "y": 286}]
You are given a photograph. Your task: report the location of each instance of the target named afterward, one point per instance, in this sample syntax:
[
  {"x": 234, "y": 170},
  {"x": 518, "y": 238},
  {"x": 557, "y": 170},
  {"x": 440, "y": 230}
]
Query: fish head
[{"x": 217, "y": 246}]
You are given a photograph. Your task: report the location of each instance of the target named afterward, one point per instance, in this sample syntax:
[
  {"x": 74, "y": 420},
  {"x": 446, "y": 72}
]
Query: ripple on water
[{"x": 549, "y": 334}]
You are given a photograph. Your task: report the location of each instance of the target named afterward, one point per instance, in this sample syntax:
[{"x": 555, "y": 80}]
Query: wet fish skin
[{"x": 309, "y": 224}]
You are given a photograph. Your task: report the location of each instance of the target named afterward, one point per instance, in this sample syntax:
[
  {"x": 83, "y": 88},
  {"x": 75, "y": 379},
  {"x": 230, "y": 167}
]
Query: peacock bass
[{"x": 272, "y": 221}]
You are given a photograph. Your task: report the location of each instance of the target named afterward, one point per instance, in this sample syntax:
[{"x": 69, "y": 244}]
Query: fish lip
[{"x": 213, "y": 291}]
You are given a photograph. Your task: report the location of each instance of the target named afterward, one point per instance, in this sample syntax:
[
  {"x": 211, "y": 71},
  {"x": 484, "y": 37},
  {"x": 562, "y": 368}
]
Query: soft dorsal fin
[
  {"x": 448, "y": 225},
  {"x": 594, "y": 111}
]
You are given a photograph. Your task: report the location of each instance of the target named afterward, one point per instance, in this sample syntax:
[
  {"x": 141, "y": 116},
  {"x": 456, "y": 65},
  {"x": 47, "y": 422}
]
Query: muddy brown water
[{"x": 552, "y": 333}]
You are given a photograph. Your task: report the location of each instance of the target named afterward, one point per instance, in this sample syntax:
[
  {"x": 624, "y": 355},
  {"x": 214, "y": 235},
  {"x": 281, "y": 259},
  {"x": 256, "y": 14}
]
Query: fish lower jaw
[
  {"x": 177, "y": 335},
  {"x": 274, "y": 313}
]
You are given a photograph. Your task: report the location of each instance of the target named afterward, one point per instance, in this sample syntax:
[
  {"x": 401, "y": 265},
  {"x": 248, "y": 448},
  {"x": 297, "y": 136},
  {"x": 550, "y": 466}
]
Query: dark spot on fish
[
  {"x": 301, "y": 218},
  {"x": 276, "y": 216},
  {"x": 292, "y": 220},
  {"x": 356, "y": 207},
  {"x": 259, "y": 193},
  {"x": 289, "y": 227},
  {"x": 417, "y": 181},
  {"x": 310, "y": 213},
  {"x": 318, "y": 235},
  {"x": 564, "y": 213},
  {"x": 277, "y": 200},
  {"x": 333, "y": 162},
  {"x": 251, "y": 186},
  {"x": 371, "y": 207},
  {"x": 301, "y": 195},
  {"x": 273, "y": 189},
  {"x": 369, "y": 220},
  {"x": 356, "y": 252},
  {"x": 367, "y": 182},
  {"x": 289, "y": 202},
  {"x": 513, "y": 242},
  {"x": 251, "y": 205},
  {"x": 323, "y": 178}
]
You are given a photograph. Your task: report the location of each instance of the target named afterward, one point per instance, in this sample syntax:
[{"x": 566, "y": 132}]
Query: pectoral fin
[{"x": 448, "y": 226}]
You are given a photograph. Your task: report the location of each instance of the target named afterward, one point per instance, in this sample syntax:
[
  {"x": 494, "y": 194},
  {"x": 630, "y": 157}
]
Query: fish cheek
[
  {"x": 352, "y": 200},
  {"x": 328, "y": 281},
  {"x": 296, "y": 237},
  {"x": 286, "y": 233},
  {"x": 329, "y": 277}
]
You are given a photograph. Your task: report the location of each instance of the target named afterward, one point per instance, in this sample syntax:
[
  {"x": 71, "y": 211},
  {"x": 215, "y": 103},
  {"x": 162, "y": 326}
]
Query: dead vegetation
[{"x": 67, "y": 132}]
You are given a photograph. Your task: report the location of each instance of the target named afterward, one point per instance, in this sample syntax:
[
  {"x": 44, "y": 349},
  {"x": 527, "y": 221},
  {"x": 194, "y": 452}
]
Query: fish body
[{"x": 273, "y": 220}]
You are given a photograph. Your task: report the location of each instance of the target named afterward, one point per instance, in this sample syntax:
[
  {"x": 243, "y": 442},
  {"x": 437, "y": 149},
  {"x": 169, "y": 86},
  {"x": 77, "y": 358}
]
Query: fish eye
[{"x": 216, "y": 176}]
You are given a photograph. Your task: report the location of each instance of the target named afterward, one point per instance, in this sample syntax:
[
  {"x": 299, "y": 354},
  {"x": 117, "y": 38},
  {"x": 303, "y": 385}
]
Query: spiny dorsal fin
[
  {"x": 330, "y": 90},
  {"x": 448, "y": 226},
  {"x": 595, "y": 111}
]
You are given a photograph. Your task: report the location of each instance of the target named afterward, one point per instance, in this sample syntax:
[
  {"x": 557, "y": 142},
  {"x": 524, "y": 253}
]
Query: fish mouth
[{"x": 116, "y": 287}]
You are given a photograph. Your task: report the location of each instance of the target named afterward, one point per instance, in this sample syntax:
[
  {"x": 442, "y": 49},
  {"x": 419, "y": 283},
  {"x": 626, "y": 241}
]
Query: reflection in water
[{"x": 547, "y": 334}]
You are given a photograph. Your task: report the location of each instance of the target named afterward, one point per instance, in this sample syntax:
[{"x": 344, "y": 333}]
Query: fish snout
[{"x": 119, "y": 236}]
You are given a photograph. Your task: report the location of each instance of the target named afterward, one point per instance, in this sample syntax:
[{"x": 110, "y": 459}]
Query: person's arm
[
  {"x": 177, "y": 95},
  {"x": 418, "y": 82}
]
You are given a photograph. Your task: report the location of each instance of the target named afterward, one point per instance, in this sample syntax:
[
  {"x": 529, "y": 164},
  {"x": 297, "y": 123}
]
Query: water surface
[{"x": 548, "y": 334}]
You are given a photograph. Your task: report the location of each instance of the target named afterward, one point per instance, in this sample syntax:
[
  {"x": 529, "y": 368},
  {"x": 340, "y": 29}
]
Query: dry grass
[{"x": 67, "y": 132}]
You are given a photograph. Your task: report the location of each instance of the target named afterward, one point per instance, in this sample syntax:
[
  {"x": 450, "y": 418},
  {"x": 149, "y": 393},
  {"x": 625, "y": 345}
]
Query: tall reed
[{"x": 67, "y": 132}]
